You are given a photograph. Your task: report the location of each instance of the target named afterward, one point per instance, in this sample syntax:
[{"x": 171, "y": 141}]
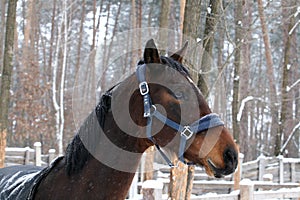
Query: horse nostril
[{"x": 230, "y": 157}]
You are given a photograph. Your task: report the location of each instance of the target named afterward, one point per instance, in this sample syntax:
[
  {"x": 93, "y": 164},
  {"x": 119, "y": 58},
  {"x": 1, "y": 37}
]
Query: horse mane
[{"x": 76, "y": 154}]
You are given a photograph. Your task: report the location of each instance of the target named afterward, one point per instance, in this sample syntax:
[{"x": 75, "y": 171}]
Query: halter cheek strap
[{"x": 186, "y": 132}]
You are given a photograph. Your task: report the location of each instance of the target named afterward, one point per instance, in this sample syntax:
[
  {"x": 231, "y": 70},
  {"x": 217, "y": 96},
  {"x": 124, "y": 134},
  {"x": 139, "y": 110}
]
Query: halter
[{"x": 186, "y": 131}]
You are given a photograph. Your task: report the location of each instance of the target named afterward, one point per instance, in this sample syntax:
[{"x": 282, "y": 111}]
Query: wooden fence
[
  {"x": 28, "y": 156},
  {"x": 262, "y": 178},
  {"x": 265, "y": 177},
  {"x": 279, "y": 169},
  {"x": 249, "y": 190}
]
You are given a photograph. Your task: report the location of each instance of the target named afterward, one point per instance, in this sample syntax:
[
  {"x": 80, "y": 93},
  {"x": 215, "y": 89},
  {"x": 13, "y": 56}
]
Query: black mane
[{"x": 77, "y": 154}]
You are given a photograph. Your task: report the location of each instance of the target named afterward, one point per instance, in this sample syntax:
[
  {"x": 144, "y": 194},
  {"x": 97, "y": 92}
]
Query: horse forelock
[{"x": 171, "y": 63}]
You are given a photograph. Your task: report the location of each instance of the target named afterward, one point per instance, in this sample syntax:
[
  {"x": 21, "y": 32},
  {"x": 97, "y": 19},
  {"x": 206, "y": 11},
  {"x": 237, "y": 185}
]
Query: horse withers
[{"x": 158, "y": 105}]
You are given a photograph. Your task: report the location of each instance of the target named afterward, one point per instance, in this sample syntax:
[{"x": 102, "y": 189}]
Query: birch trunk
[
  {"x": 62, "y": 82},
  {"x": 54, "y": 84}
]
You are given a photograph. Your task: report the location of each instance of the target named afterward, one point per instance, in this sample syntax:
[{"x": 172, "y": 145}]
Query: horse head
[{"x": 169, "y": 104}]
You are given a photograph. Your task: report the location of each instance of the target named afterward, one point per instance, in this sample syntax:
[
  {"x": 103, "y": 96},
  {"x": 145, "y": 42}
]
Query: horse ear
[
  {"x": 151, "y": 53},
  {"x": 178, "y": 56}
]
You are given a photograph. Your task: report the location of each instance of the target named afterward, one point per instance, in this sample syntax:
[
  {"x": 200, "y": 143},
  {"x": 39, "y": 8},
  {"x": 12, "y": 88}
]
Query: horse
[{"x": 158, "y": 105}]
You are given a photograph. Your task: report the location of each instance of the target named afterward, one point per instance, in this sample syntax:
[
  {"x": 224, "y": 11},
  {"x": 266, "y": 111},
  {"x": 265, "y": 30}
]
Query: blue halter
[{"x": 186, "y": 132}]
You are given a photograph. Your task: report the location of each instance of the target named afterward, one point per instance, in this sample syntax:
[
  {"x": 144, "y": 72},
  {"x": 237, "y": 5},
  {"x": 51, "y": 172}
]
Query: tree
[
  {"x": 270, "y": 76},
  {"x": 247, "y": 131},
  {"x": 237, "y": 65},
  {"x": 6, "y": 76},
  {"x": 289, "y": 60},
  {"x": 190, "y": 30},
  {"x": 2, "y": 30},
  {"x": 212, "y": 18},
  {"x": 164, "y": 24}
]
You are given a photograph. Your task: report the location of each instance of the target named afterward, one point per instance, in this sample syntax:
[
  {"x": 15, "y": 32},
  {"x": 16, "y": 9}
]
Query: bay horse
[{"x": 165, "y": 109}]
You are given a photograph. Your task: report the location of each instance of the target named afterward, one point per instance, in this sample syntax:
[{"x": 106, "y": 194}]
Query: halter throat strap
[{"x": 186, "y": 131}]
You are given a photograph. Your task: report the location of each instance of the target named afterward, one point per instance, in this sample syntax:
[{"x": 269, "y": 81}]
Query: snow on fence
[{"x": 28, "y": 156}]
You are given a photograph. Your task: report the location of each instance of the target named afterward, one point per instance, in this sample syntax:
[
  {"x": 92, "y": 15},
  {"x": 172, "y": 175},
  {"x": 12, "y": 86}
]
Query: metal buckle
[
  {"x": 144, "y": 89},
  {"x": 187, "y": 132}
]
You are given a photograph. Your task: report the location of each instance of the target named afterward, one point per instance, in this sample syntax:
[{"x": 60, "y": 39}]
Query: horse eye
[{"x": 179, "y": 94}]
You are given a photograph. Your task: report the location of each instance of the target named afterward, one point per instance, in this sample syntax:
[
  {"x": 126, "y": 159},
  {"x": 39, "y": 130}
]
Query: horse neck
[{"x": 113, "y": 157}]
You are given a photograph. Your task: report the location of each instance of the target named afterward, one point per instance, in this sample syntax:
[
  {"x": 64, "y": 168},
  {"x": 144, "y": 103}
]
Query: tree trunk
[
  {"x": 270, "y": 75},
  {"x": 6, "y": 76},
  {"x": 55, "y": 73},
  {"x": 181, "y": 177},
  {"x": 212, "y": 18},
  {"x": 245, "y": 123},
  {"x": 62, "y": 82},
  {"x": 164, "y": 25},
  {"x": 190, "y": 31},
  {"x": 132, "y": 37},
  {"x": 2, "y": 30},
  {"x": 237, "y": 63},
  {"x": 83, "y": 13},
  {"x": 286, "y": 117},
  {"x": 181, "y": 18}
]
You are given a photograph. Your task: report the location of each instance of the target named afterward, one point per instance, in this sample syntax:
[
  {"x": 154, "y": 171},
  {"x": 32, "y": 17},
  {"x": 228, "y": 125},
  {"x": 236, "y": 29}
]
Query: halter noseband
[{"x": 186, "y": 132}]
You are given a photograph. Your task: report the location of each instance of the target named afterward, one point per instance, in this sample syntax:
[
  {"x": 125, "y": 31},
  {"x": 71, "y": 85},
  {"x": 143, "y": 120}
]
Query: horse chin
[{"x": 214, "y": 170}]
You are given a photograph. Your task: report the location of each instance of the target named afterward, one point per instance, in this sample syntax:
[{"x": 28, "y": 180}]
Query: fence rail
[
  {"x": 268, "y": 177},
  {"x": 262, "y": 178},
  {"x": 249, "y": 190},
  {"x": 28, "y": 156}
]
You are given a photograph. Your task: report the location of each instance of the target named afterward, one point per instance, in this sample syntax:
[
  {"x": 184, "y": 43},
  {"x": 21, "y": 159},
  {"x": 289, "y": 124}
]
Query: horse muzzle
[{"x": 230, "y": 158}]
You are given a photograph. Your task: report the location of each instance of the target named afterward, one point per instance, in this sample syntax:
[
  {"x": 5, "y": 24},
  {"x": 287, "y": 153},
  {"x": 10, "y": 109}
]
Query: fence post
[
  {"x": 51, "y": 153},
  {"x": 152, "y": 190},
  {"x": 261, "y": 167},
  {"x": 281, "y": 170},
  {"x": 246, "y": 190},
  {"x": 238, "y": 173},
  {"x": 27, "y": 155},
  {"x": 293, "y": 172},
  {"x": 133, "y": 190},
  {"x": 38, "y": 153}
]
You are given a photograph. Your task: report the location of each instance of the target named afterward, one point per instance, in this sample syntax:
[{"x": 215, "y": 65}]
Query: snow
[
  {"x": 208, "y": 10},
  {"x": 52, "y": 150},
  {"x": 18, "y": 149},
  {"x": 290, "y": 136},
  {"x": 288, "y": 88},
  {"x": 294, "y": 27},
  {"x": 153, "y": 184},
  {"x": 239, "y": 115},
  {"x": 297, "y": 12}
]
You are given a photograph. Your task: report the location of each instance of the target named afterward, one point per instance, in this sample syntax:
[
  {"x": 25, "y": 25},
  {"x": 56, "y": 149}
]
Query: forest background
[{"x": 247, "y": 65}]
